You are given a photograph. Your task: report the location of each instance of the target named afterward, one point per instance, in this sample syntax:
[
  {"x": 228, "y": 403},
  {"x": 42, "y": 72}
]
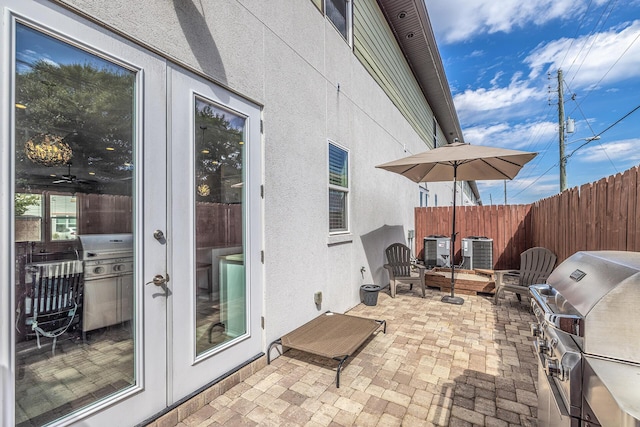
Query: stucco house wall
[{"x": 285, "y": 56}]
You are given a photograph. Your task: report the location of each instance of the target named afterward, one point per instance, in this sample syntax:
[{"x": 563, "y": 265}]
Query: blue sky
[{"x": 502, "y": 58}]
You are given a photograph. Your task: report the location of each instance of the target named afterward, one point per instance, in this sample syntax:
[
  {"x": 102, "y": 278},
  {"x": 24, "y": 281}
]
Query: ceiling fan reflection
[{"x": 68, "y": 177}]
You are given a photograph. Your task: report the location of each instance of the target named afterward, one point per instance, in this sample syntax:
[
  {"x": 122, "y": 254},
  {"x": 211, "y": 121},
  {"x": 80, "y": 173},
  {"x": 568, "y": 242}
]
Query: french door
[
  {"x": 101, "y": 137},
  {"x": 215, "y": 227}
]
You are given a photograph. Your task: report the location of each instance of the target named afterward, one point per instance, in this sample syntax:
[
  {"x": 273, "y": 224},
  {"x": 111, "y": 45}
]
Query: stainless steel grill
[
  {"x": 588, "y": 340},
  {"x": 108, "y": 276},
  {"x": 106, "y": 254}
]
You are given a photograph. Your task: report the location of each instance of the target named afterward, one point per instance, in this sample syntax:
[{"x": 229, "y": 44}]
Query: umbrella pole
[{"x": 451, "y": 299}]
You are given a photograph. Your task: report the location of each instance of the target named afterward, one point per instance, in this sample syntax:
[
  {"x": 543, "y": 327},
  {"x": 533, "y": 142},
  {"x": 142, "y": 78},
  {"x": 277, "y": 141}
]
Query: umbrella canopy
[
  {"x": 472, "y": 163},
  {"x": 459, "y": 161}
]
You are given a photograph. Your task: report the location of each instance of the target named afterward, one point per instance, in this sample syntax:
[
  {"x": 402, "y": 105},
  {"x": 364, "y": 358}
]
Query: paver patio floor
[{"x": 437, "y": 365}]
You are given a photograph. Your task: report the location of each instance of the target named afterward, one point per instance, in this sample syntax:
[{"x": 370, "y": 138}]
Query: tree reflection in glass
[
  {"x": 74, "y": 156},
  {"x": 220, "y": 279}
]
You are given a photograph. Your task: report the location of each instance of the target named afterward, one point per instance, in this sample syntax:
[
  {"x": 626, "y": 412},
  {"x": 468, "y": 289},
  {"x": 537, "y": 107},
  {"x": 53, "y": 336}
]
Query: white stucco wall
[{"x": 285, "y": 56}]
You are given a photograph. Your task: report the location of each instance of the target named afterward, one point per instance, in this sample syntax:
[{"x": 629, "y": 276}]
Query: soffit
[{"x": 410, "y": 23}]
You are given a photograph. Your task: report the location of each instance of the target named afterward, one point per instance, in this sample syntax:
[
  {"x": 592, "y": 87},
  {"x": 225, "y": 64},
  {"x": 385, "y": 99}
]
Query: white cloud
[
  {"x": 519, "y": 190},
  {"x": 490, "y": 16},
  {"x": 613, "y": 56},
  {"x": 625, "y": 150},
  {"x": 605, "y": 57},
  {"x": 29, "y": 57},
  {"x": 496, "y": 78},
  {"x": 471, "y": 102},
  {"x": 526, "y": 136}
]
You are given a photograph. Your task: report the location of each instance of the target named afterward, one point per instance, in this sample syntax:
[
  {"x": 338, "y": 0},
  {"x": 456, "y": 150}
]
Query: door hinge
[
  {"x": 262, "y": 191},
  {"x": 262, "y": 257},
  {"x": 261, "y": 126},
  {"x": 262, "y": 321}
]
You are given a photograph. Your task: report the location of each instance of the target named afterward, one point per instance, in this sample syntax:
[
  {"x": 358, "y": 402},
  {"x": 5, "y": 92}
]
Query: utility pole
[
  {"x": 563, "y": 160},
  {"x": 505, "y": 191}
]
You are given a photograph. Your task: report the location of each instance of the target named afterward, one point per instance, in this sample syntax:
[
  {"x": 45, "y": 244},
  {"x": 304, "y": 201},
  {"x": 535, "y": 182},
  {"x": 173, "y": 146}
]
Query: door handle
[
  {"x": 159, "y": 236},
  {"x": 159, "y": 280}
]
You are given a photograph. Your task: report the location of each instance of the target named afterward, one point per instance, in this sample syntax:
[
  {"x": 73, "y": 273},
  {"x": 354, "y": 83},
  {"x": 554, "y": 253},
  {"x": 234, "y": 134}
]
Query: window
[
  {"x": 63, "y": 217},
  {"x": 32, "y": 209},
  {"x": 338, "y": 189},
  {"x": 424, "y": 198},
  {"x": 29, "y": 210},
  {"x": 435, "y": 132},
  {"x": 339, "y": 13}
]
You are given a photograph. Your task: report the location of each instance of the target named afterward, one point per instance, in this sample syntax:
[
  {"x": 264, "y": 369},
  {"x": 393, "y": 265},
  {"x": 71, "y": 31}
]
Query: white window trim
[
  {"x": 349, "y": 21},
  {"x": 346, "y": 189}
]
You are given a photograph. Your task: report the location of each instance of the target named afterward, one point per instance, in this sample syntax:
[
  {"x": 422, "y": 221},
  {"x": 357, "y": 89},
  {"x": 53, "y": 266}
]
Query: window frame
[
  {"x": 344, "y": 189},
  {"x": 47, "y": 220},
  {"x": 348, "y": 20},
  {"x": 32, "y": 215},
  {"x": 51, "y": 221}
]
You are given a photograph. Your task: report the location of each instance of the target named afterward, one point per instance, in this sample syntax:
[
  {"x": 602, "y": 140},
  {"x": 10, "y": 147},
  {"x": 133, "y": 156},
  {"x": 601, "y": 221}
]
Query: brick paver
[{"x": 437, "y": 365}]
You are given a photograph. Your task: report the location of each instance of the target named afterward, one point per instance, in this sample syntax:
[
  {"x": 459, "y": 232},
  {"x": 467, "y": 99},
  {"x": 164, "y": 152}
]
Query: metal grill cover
[
  {"x": 106, "y": 246},
  {"x": 604, "y": 288}
]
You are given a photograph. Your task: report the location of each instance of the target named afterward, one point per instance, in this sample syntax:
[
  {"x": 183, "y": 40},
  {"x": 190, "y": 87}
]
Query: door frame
[
  {"x": 148, "y": 395},
  {"x": 156, "y": 366},
  {"x": 188, "y": 371}
]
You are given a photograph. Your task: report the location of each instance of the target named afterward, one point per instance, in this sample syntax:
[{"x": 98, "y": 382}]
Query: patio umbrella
[{"x": 459, "y": 161}]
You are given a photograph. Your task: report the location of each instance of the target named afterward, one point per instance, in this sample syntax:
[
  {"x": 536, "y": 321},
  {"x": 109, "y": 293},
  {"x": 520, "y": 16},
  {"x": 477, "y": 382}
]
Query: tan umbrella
[{"x": 464, "y": 162}]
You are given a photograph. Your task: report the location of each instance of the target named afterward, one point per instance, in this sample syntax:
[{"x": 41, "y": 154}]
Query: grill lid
[
  {"x": 106, "y": 246},
  {"x": 595, "y": 296},
  {"x": 585, "y": 278}
]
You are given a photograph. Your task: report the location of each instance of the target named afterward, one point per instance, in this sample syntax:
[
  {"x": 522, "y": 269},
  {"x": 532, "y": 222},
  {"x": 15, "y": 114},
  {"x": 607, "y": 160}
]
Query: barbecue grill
[
  {"x": 108, "y": 278},
  {"x": 588, "y": 341}
]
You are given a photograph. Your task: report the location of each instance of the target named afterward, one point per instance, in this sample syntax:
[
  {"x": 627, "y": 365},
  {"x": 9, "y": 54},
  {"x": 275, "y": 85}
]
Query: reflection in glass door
[
  {"x": 94, "y": 178},
  {"x": 220, "y": 277},
  {"x": 215, "y": 225},
  {"x": 74, "y": 247}
]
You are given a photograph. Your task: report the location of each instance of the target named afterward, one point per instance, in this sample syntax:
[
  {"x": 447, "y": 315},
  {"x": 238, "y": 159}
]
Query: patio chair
[
  {"x": 402, "y": 270},
  {"x": 54, "y": 300},
  {"x": 536, "y": 264}
]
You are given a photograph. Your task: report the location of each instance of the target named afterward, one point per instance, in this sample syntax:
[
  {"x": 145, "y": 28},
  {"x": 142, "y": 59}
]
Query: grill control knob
[
  {"x": 543, "y": 347},
  {"x": 98, "y": 270},
  {"x": 554, "y": 369},
  {"x": 536, "y": 330},
  {"x": 118, "y": 267}
]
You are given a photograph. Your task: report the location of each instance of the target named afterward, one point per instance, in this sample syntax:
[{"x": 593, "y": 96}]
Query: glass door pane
[
  {"x": 74, "y": 163},
  {"x": 220, "y": 294},
  {"x": 215, "y": 229}
]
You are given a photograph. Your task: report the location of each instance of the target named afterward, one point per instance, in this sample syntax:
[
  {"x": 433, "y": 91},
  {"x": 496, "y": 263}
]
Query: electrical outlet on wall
[{"x": 317, "y": 298}]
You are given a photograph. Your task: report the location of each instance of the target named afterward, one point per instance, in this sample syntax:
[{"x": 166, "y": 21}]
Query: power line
[
  {"x": 573, "y": 152},
  {"x": 575, "y": 35},
  {"x": 612, "y": 65},
  {"x": 538, "y": 159},
  {"x": 615, "y": 123},
  {"x": 573, "y": 98},
  {"x": 534, "y": 181},
  {"x": 599, "y": 24},
  {"x": 597, "y": 84}
]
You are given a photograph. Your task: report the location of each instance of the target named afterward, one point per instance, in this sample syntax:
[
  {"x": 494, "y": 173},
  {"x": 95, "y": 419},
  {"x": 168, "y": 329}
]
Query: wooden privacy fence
[
  {"x": 508, "y": 225},
  {"x": 598, "y": 216}
]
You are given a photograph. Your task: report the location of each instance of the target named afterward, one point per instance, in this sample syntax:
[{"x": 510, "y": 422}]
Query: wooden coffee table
[{"x": 468, "y": 282}]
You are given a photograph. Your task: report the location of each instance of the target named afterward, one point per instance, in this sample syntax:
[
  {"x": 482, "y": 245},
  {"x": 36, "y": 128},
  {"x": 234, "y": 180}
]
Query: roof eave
[{"x": 407, "y": 17}]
